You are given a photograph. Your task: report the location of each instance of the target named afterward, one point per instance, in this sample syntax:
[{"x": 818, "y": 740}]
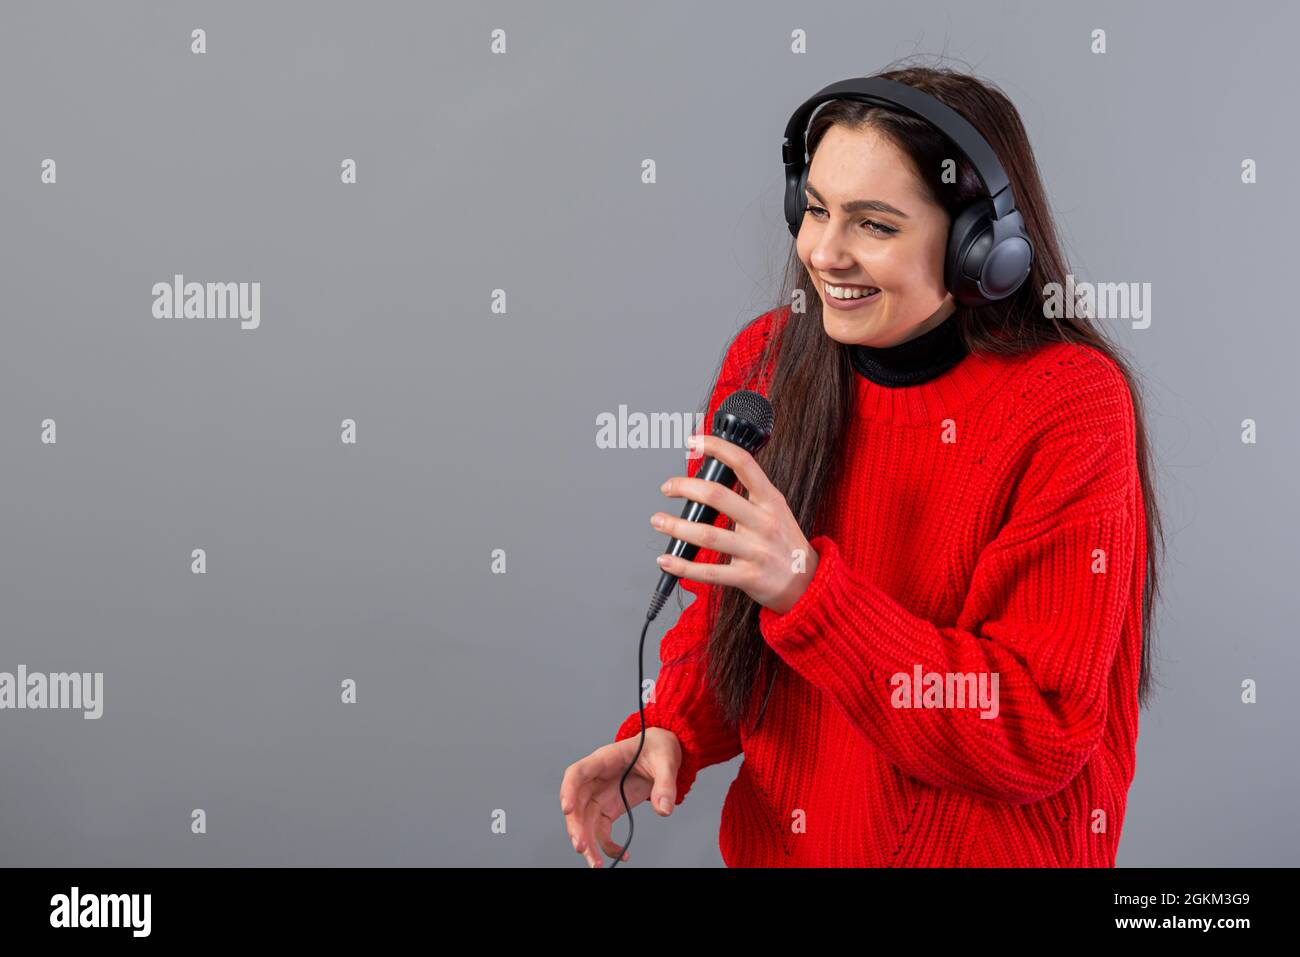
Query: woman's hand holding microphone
[{"x": 765, "y": 544}]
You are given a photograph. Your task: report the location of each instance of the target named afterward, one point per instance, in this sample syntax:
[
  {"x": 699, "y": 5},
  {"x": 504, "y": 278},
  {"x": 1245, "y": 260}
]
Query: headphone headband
[{"x": 890, "y": 93}]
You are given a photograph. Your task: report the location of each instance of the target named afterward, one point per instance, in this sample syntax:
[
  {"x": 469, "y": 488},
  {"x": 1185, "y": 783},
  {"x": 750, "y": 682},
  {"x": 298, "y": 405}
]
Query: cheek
[
  {"x": 910, "y": 267},
  {"x": 892, "y": 268}
]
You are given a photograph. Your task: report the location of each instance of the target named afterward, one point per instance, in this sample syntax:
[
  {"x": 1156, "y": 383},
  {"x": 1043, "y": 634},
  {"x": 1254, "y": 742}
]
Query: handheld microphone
[{"x": 745, "y": 419}]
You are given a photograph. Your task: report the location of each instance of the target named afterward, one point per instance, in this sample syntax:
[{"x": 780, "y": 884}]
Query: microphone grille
[{"x": 750, "y": 407}]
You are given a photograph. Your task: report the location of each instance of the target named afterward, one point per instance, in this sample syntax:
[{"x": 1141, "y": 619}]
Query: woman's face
[{"x": 894, "y": 239}]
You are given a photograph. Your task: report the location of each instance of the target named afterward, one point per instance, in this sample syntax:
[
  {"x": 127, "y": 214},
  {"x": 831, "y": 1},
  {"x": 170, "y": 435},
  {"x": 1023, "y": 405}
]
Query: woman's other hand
[{"x": 589, "y": 793}]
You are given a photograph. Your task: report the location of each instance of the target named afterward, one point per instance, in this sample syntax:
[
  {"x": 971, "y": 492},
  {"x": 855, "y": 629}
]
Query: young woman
[{"x": 924, "y": 618}]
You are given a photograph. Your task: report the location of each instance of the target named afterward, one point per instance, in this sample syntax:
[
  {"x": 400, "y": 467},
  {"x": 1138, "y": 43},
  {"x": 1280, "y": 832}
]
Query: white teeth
[{"x": 842, "y": 292}]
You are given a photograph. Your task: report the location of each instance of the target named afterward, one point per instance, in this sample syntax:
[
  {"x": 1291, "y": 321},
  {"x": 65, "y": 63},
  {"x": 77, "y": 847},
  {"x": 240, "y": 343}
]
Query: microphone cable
[{"x": 656, "y": 603}]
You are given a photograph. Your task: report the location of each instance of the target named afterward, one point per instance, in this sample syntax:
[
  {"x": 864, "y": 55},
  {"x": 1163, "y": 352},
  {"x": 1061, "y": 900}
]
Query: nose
[{"x": 830, "y": 254}]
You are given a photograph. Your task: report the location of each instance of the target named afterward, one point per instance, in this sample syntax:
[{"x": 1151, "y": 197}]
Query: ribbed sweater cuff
[{"x": 796, "y": 632}]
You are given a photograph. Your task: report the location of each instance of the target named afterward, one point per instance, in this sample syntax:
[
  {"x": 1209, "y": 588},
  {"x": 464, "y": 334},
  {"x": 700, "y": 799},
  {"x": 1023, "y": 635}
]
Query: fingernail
[
  {"x": 664, "y": 805},
  {"x": 661, "y": 560},
  {"x": 657, "y": 521},
  {"x": 664, "y": 487}
]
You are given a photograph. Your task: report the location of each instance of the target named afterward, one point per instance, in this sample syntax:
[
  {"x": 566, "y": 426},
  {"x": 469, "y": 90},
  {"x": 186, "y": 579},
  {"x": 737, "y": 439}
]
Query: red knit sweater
[{"x": 989, "y": 521}]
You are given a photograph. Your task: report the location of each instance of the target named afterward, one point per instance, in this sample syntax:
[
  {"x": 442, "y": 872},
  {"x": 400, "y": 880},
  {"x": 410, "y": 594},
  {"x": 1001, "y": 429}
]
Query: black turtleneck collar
[{"x": 914, "y": 361}]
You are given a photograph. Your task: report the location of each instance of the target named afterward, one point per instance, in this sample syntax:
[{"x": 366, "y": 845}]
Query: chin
[{"x": 847, "y": 327}]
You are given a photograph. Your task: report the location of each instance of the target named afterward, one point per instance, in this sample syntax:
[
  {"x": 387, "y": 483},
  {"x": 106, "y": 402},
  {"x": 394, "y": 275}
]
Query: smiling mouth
[{"x": 847, "y": 293}]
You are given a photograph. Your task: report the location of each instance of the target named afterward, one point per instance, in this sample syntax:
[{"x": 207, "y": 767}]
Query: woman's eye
[{"x": 880, "y": 229}]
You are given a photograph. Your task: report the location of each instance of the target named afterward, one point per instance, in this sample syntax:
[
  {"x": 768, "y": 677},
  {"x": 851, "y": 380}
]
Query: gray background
[{"x": 477, "y": 431}]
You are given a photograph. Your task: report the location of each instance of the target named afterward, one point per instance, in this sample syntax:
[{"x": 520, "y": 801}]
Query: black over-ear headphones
[{"x": 989, "y": 252}]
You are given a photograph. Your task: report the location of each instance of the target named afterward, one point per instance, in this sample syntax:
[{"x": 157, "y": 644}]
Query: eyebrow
[{"x": 860, "y": 205}]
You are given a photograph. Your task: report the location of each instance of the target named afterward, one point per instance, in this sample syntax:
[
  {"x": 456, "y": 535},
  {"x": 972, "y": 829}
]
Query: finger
[
  {"x": 576, "y": 791},
  {"x": 577, "y": 780},
  {"x": 610, "y": 800},
  {"x": 573, "y": 824},
  {"x": 712, "y": 573},
  {"x": 742, "y": 462},
  {"x": 591, "y": 817},
  {"x": 706, "y": 536},
  {"x": 579, "y": 834},
  {"x": 741, "y": 510},
  {"x": 611, "y": 847},
  {"x": 665, "y": 786}
]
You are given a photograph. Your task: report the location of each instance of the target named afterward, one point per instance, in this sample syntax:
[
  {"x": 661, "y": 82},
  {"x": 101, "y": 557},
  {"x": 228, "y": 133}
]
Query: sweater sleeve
[
  {"x": 1044, "y": 612},
  {"x": 684, "y": 702}
]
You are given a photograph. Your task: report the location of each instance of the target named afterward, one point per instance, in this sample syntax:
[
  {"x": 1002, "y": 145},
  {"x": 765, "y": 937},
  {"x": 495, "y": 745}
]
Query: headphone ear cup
[
  {"x": 987, "y": 259},
  {"x": 1006, "y": 266},
  {"x": 969, "y": 240},
  {"x": 798, "y": 203}
]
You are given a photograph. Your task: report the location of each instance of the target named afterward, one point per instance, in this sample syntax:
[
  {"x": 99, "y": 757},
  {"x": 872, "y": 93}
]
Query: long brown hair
[{"x": 811, "y": 382}]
